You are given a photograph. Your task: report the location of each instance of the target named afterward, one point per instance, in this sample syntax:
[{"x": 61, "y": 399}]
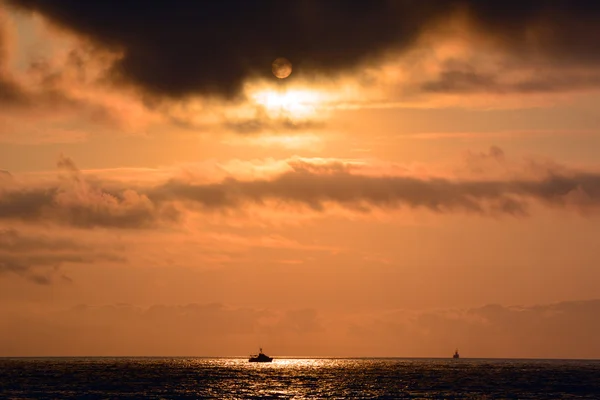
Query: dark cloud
[
  {"x": 363, "y": 192},
  {"x": 470, "y": 81},
  {"x": 25, "y": 203},
  {"x": 93, "y": 206},
  {"x": 39, "y": 257},
  {"x": 212, "y": 47},
  {"x": 564, "y": 30},
  {"x": 81, "y": 202},
  {"x": 181, "y": 48},
  {"x": 14, "y": 241}
]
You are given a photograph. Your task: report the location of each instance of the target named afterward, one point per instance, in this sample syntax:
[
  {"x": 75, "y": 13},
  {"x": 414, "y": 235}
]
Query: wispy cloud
[{"x": 513, "y": 134}]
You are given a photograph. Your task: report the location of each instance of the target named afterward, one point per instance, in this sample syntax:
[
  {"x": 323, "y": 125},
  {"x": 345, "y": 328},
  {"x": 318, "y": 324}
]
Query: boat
[
  {"x": 456, "y": 355},
  {"x": 260, "y": 357}
]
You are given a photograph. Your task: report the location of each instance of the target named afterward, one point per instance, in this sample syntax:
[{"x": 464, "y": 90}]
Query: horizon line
[{"x": 290, "y": 357}]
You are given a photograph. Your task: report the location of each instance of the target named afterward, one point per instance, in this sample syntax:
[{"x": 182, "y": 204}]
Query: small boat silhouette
[
  {"x": 456, "y": 355},
  {"x": 260, "y": 357}
]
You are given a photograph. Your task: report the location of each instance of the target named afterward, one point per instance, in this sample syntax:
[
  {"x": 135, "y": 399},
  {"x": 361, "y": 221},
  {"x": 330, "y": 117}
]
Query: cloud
[
  {"x": 500, "y": 135},
  {"x": 86, "y": 202},
  {"x": 38, "y": 258},
  {"x": 34, "y": 114},
  {"x": 363, "y": 192},
  {"x": 82, "y": 203},
  {"x": 244, "y": 42},
  {"x": 479, "y": 162},
  {"x": 199, "y": 329},
  {"x": 9, "y": 91},
  {"x": 3, "y": 41},
  {"x": 559, "y": 330},
  {"x": 49, "y": 91},
  {"x": 212, "y": 49},
  {"x": 262, "y": 124},
  {"x": 29, "y": 134},
  {"x": 470, "y": 81}
]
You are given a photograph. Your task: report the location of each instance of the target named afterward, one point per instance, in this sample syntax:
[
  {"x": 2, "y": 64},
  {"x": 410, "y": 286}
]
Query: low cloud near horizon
[{"x": 557, "y": 330}]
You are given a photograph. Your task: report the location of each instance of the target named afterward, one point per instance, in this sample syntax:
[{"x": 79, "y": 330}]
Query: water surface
[{"x": 230, "y": 378}]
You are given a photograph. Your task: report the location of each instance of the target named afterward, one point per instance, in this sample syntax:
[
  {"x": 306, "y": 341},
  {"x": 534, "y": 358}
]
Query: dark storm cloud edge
[
  {"x": 179, "y": 48},
  {"x": 86, "y": 202}
]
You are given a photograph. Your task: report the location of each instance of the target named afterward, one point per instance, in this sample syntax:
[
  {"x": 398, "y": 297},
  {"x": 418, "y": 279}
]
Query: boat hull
[{"x": 263, "y": 360}]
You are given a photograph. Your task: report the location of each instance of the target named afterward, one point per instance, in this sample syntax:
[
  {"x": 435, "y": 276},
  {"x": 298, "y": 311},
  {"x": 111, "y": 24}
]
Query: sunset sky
[{"x": 426, "y": 178}]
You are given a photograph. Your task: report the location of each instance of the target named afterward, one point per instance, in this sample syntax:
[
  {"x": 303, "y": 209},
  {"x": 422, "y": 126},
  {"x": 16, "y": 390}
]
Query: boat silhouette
[
  {"x": 260, "y": 357},
  {"x": 456, "y": 355}
]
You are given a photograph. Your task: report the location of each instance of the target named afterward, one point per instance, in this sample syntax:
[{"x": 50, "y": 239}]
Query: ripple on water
[{"x": 191, "y": 378}]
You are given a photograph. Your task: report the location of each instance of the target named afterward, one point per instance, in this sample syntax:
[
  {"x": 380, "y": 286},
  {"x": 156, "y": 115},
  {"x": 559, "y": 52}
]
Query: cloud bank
[
  {"x": 559, "y": 330},
  {"x": 84, "y": 201}
]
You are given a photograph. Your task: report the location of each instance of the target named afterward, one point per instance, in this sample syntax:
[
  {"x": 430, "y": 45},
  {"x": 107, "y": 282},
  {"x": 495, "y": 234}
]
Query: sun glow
[
  {"x": 286, "y": 141},
  {"x": 292, "y": 103}
]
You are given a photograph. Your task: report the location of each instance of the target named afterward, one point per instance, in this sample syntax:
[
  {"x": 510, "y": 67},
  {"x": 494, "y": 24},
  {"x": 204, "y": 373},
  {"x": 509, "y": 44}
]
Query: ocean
[{"x": 234, "y": 378}]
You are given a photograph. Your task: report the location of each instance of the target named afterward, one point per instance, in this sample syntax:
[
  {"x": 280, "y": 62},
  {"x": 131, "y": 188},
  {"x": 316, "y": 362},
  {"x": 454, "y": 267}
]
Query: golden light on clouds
[
  {"x": 292, "y": 103},
  {"x": 287, "y": 141}
]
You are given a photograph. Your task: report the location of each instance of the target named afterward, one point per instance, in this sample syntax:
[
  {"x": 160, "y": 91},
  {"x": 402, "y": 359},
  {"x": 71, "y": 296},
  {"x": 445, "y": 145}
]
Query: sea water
[{"x": 231, "y": 378}]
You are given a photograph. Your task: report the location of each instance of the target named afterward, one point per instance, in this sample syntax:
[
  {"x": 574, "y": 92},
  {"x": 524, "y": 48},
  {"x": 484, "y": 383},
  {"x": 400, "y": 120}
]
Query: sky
[{"x": 425, "y": 179}]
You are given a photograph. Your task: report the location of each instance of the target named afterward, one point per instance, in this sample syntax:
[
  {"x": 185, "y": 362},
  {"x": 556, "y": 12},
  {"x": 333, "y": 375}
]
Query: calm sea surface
[{"x": 202, "y": 378}]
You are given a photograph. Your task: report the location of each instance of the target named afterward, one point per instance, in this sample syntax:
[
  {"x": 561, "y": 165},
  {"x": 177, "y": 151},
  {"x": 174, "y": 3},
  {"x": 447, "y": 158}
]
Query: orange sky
[{"x": 445, "y": 195}]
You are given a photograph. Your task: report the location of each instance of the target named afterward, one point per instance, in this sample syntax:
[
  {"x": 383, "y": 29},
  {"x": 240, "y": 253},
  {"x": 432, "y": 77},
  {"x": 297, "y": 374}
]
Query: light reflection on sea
[{"x": 231, "y": 378}]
